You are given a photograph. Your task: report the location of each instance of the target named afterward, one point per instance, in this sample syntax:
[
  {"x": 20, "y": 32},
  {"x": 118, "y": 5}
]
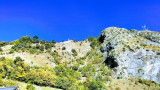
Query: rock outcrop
[{"x": 132, "y": 53}]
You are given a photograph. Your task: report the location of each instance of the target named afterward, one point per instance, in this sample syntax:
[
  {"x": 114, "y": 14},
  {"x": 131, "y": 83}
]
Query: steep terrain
[
  {"x": 119, "y": 59},
  {"x": 132, "y": 53}
]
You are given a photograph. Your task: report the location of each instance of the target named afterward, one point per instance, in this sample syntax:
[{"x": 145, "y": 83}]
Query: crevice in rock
[
  {"x": 110, "y": 61},
  {"x": 101, "y": 39},
  {"x": 109, "y": 47}
]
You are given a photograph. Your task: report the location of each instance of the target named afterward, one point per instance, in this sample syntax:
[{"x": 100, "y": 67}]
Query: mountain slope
[{"x": 132, "y": 53}]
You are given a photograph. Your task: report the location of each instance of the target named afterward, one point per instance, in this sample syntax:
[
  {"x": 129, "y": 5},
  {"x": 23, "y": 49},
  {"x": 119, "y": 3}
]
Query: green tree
[
  {"x": 18, "y": 59},
  {"x": 41, "y": 48},
  {"x": 11, "y": 51},
  {"x": 25, "y": 39},
  {"x": 74, "y": 52},
  {"x": 53, "y": 41},
  {"x": 63, "y": 48},
  {"x": 35, "y": 39},
  {"x": 42, "y": 41}
]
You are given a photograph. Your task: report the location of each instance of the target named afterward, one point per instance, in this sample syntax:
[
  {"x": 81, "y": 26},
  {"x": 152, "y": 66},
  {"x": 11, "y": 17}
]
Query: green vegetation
[
  {"x": 30, "y": 87},
  {"x": 85, "y": 73},
  {"x": 3, "y": 44},
  {"x": 63, "y": 48},
  {"x": 11, "y": 51},
  {"x": 42, "y": 41},
  {"x": 35, "y": 39},
  {"x": 74, "y": 52},
  {"x": 94, "y": 42},
  {"x": 25, "y": 44},
  {"x": 1, "y": 49}
]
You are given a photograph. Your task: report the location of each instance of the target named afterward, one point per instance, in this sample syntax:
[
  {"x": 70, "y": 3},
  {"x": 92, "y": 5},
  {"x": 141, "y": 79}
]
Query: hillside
[{"x": 119, "y": 59}]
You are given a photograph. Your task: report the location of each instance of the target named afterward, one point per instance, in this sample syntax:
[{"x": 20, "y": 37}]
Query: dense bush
[
  {"x": 11, "y": 51},
  {"x": 1, "y": 49},
  {"x": 41, "y": 48},
  {"x": 74, "y": 52},
  {"x": 63, "y": 48},
  {"x": 96, "y": 85},
  {"x": 35, "y": 39},
  {"x": 66, "y": 77},
  {"x": 30, "y": 87},
  {"x": 18, "y": 59},
  {"x": 42, "y": 41},
  {"x": 53, "y": 41},
  {"x": 42, "y": 77},
  {"x": 47, "y": 46},
  {"x": 93, "y": 42},
  {"x": 25, "y": 39},
  {"x": 88, "y": 71},
  {"x": 3, "y": 44},
  {"x": 75, "y": 67}
]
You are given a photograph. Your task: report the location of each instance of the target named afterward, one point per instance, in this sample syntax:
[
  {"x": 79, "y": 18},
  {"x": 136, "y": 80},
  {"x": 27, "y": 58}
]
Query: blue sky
[{"x": 74, "y": 19}]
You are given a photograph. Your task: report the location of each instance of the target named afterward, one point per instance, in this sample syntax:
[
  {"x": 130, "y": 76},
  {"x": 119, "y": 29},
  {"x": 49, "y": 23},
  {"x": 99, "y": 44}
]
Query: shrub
[
  {"x": 11, "y": 51},
  {"x": 96, "y": 85},
  {"x": 53, "y": 41},
  {"x": 158, "y": 53},
  {"x": 42, "y": 77},
  {"x": 25, "y": 39},
  {"x": 30, "y": 87},
  {"x": 75, "y": 67},
  {"x": 32, "y": 50},
  {"x": 1, "y": 49},
  {"x": 90, "y": 38},
  {"x": 63, "y": 48},
  {"x": 74, "y": 52},
  {"x": 93, "y": 44},
  {"x": 42, "y": 41},
  {"x": 47, "y": 46},
  {"x": 35, "y": 39},
  {"x": 18, "y": 59},
  {"x": 142, "y": 44},
  {"x": 41, "y": 48}
]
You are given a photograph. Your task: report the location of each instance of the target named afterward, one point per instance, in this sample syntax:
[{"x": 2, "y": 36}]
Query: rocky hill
[
  {"x": 119, "y": 59},
  {"x": 132, "y": 53}
]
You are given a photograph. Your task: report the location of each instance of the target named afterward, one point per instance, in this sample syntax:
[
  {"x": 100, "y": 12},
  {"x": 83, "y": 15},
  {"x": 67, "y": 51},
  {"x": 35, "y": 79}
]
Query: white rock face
[{"x": 132, "y": 53}]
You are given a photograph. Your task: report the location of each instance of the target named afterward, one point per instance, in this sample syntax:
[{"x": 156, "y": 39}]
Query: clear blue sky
[{"x": 74, "y": 19}]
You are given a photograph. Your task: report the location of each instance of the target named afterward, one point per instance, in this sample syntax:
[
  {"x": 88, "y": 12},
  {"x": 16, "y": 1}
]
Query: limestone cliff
[{"x": 132, "y": 53}]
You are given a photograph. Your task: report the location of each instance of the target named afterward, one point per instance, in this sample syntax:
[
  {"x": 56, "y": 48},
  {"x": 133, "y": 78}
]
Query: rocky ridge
[{"x": 132, "y": 53}]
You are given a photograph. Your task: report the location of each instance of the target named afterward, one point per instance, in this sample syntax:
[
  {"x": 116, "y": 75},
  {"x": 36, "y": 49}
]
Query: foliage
[
  {"x": 30, "y": 87},
  {"x": 3, "y": 44},
  {"x": 25, "y": 39},
  {"x": 75, "y": 67},
  {"x": 35, "y": 39},
  {"x": 32, "y": 50},
  {"x": 95, "y": 85},
  {"x": 93, "y": 42},
  {"x": 88, "y": 71},
  {"x": 18, "y": 59},
  {"x": 1, "y": 49},
  {"x": 53, "y": 41},
  {"x": 74, "y": 52},
  {"x": 47, "y": 46},
  {"x": 41, "y": 48},
  {"x": 42, "y": 77},
  {"x": 42, "y": 41},
  {"x": 66, "y": 77},
  {"x": 11, "y": 51},
  {"x": 63, "y": 48}
]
